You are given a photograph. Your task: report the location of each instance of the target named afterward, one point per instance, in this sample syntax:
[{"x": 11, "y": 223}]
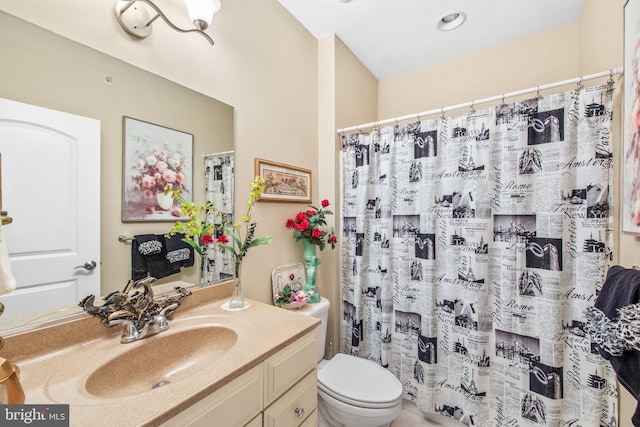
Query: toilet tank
[{"x": 318, "y": 310}]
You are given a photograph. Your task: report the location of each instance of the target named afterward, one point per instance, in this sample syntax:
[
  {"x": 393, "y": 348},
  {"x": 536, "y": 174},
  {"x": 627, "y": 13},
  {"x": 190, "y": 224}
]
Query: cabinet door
[
  {"x": 286, "y": 367},
  {"x": 235, "y": 404},
  {"x": 256, "y": 422},
  {"x": 295, "y": 406}
]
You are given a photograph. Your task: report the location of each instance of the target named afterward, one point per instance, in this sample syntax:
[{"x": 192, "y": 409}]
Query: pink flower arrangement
[
  {"x": 159, "y": 170},
  {"x": 290, "y": 294},
  {"x": 308, "y": 225}
]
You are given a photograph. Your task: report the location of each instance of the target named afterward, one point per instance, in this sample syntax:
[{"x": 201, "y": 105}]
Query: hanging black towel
[
  {"x": 179, "y": 253},
  {"x": 153, "y": 255},
  {"x": 610, "y": 323},
  {"x": 145, "y": 248}
]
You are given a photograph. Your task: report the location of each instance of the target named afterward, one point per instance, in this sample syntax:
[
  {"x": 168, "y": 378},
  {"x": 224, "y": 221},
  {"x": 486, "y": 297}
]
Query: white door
[{"x": 51, "y": 189}]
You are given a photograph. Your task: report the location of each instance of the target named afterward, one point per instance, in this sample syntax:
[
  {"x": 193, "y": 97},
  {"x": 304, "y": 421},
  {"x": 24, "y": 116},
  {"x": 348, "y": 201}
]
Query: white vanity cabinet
[{"x": 279, "y": 392}]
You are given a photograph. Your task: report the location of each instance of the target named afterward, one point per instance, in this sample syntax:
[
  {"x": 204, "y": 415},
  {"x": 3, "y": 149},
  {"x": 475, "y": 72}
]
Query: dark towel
[
  {"x": 149, "y": 256},
  {"x": 622, "y": 289},
  {"x": 179, "y": 253},
  {"x": 144, "y": 248}
]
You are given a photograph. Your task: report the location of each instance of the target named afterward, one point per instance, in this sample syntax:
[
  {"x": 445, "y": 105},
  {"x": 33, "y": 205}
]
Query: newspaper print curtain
[
  {"x": 219, "y": 179},
  {"x": 472, "y": 246}
]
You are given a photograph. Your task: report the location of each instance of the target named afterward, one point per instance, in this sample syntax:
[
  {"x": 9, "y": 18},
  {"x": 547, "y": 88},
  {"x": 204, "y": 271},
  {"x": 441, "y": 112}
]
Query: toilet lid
[{"x": 359, "y": 382}]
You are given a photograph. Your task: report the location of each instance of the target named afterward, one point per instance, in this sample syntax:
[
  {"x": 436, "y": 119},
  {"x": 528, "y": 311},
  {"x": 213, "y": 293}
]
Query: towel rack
[{"x": 124, "y": 239}]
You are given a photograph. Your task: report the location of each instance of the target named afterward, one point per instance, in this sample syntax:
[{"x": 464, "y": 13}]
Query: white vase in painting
[{"x": 165, "y": 200}]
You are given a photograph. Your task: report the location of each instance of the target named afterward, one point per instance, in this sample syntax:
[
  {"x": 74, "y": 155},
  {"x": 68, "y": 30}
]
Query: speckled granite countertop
[{"x": 57, "y": 361}]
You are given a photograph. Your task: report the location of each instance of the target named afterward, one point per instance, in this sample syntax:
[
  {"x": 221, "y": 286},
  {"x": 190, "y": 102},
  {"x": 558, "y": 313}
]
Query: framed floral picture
[
  {"x": 284, "y": 183},
  {"x": 631, "y": 133},
  {"x": 157, "y": 161}
]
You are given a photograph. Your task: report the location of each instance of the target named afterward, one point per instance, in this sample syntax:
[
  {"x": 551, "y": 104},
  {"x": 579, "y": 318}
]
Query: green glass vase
[{"x": 311, "y": 262}]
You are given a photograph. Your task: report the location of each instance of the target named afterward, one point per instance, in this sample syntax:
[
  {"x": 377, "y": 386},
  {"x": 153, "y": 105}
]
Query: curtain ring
[
  {"x": 396, "y": 120},
  {"x": 502, "y": 104},
  {"x": 418, "y": 116},
  {"x": 442, "y": 116},
  {"x": 538, "y": 96},
  {"x": 579, "y": 85},
  {"x": 471, "y": 109}
]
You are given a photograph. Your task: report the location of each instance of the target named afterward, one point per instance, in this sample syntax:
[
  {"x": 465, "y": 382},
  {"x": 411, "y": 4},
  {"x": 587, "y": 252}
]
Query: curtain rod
[{"x": 483, "y": 100}]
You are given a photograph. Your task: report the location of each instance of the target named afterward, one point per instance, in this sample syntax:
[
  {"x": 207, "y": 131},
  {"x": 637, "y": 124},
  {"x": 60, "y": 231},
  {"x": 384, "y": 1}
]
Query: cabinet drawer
[
  {"x": 286, "y": 411},
  {"x": 235, "y": 404},
  {"x": 285, "y": 368},
  {"x": 311, "y": 421}
]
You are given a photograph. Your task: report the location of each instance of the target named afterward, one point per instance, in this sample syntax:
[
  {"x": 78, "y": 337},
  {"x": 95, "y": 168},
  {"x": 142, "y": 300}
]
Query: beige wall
[{"x": 347, "y": 94}]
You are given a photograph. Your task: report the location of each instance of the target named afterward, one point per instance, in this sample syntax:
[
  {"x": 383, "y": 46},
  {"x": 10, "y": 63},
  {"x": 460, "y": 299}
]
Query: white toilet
[{"x": 352, "y": 392}]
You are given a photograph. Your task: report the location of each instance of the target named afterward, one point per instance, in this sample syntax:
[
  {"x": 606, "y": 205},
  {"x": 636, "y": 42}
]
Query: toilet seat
[{"x": 359, "y": 382}]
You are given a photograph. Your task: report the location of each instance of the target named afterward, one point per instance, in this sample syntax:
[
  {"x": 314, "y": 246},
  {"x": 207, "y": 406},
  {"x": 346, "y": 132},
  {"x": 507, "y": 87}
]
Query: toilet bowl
[{"x": 352, "y": 392}]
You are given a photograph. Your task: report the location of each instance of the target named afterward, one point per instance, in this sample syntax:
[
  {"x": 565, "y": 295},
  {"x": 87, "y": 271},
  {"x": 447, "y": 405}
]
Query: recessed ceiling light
[{"x": 451, "y": 21}]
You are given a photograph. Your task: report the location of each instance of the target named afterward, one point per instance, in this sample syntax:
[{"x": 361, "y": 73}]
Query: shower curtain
[
  {"x": 219, "y": 177},
  {"x": 472, "y": 246}
]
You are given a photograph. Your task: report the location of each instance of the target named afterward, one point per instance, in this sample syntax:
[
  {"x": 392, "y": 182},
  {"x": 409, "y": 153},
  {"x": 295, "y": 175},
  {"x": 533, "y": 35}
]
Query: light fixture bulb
[
  {"x": 451, "y": 21},
  {"x": 201, "y": 12}
]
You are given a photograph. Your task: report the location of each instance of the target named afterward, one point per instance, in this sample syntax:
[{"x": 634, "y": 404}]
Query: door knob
[
  {"x": 299, "y": 412},
  {"x": 89, "y": 265}
]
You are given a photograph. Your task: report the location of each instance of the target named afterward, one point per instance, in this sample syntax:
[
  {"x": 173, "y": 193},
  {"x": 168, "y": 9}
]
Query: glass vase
[
  {"x": 311, "y": 262},
  {"x": 237, "y": 297},
  {"x": 203, "y": 275}
]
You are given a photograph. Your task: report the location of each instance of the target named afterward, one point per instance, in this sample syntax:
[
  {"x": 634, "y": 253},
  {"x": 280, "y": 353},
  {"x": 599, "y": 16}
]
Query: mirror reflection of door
[{"x": 51, "y": 189}]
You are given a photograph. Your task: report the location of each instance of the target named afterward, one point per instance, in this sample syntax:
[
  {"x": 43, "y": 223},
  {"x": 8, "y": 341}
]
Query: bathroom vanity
[{"x": 253, "y": 367}]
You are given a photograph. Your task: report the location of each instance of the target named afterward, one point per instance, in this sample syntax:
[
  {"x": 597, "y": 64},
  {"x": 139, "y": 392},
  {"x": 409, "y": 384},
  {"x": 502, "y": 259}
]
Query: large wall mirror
[{"x": 43, "y": 69}]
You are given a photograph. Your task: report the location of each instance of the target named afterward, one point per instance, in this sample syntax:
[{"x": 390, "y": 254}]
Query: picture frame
[
  {"x": 284, "y": 183},
  {"x": 630, "y": 211},
  {"x": 294, "y": 275},
  {"x": 155, "y": 158}
]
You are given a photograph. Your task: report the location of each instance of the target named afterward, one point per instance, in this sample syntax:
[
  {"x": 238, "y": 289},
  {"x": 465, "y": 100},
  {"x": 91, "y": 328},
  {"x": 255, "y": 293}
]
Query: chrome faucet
[{"x": 141, "y": 314}]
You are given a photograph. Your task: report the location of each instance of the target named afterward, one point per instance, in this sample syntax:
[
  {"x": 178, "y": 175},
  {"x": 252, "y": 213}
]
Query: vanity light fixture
[
  {"x": 451, "y": 21},
  {"x": 135, "y": 19}
]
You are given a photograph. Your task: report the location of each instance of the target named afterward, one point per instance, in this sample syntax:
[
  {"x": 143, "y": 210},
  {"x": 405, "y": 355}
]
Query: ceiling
[{"x": 392, "y": 37}]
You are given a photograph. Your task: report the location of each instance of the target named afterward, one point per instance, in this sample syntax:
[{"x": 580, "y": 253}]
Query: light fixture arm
[{"x": 140, "y": 24}]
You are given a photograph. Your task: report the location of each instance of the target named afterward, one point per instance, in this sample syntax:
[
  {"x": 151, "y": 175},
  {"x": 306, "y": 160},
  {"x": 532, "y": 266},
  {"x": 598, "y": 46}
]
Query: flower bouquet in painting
[{"x": 157, "y": 165}]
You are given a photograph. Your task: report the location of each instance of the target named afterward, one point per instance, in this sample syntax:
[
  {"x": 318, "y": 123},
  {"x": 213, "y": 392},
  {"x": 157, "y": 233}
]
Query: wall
[
  {"x": 347, "y": 94},
  {"x": 264, "y": 64}
]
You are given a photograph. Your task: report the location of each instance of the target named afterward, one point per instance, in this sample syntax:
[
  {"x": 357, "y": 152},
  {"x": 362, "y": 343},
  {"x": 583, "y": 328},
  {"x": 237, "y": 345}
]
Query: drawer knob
[{"x": 299, "y": 412}]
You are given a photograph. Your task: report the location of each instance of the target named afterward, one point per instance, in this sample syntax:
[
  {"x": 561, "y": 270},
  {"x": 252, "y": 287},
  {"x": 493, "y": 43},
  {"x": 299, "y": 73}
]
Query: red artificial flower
[
  {"x": 325, "y": 203},
  {"x": 207, "y": 239},
  {"x": 317, "y": 233},
  {"x": 311, "y": 212},
  {"x": 303, "y": 225},
  {"x": 290, "y": 223},
  {"x": 300, "y": 217},
  {"x": 333, "y": 239},
  {"x": 223, "y": 239}
]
